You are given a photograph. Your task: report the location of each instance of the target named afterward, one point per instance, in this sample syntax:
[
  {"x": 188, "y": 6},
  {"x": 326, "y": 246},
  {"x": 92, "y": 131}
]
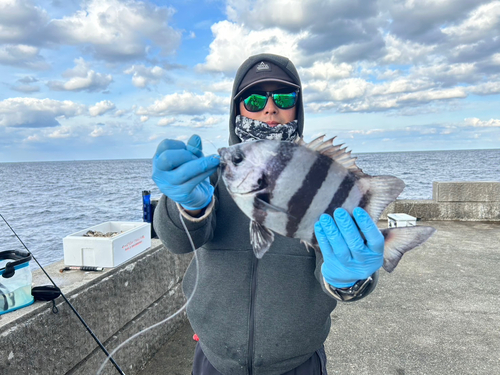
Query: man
[{"x": 258, "y": 316}]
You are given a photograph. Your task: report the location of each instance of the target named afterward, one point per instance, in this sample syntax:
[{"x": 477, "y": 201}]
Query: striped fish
[{"x": 284, "y": 187}]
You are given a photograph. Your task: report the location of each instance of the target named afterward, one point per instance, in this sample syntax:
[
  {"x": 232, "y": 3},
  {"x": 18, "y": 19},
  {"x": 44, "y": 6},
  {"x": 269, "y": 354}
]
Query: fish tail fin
[
  {"x": 400, "y": 240},
  {"x": 379, "y": 192}
]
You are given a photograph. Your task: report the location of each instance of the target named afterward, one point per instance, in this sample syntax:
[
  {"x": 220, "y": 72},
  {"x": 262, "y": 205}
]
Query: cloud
[
  {"x": 36, "y": 113},
  {"x": 480, "y": 24},
  {"x": 101, "y": 107},
  {"x": 477, "y": 123},
  {"x": 296, "y": 15},
  {"x": 350, "y": 30},
  {"x": 21, "y": 22},
  {"x": 143, "y": 76},
  {"x": 400, "y": 51},
  {"x": 233, "y": 43},
  {"x": 186, "y": 103},
  {"x": 199, "y": 122},
  {"x": 326, "y": 70},
  {"x": 22, "y": 56},
  {"x": 166, "y": 121},
  {"x": 61, "y": 132},
  {"x": 421, "y": 21},
  {"x": 117, "y": 30},
  {"x": 120, "y": 112},
  {"x": 82, "y": 78},
  {"x": 26, "y": 88},
  {"x": 486, "y": 88}
]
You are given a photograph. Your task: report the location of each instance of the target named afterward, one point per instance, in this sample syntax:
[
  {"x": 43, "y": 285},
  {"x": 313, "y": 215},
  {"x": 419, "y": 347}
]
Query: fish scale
[{"x": 284, "y": 187}]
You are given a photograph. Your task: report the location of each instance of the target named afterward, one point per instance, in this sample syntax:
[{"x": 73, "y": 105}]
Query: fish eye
[{"x": 238, "y": 157}]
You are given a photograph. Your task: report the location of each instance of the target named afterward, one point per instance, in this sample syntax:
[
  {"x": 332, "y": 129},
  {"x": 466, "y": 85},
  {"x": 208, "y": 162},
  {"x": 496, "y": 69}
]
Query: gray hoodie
[{"x": 253, "y": 317}]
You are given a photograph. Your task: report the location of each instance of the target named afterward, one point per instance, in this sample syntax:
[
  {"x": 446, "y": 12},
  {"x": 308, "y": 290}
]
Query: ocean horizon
[{"x": 44, "y": 201}]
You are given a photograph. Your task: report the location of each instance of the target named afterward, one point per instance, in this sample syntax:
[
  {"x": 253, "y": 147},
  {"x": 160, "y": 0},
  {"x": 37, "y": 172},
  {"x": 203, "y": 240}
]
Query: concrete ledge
[
  {"x": 466, "y": 191},
  {"x": 462, "y": 201},
  {"x": 115, "y": 303}
]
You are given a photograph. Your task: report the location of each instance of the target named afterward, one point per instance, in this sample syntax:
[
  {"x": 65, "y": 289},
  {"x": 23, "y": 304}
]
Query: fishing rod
[{"x": 67, "y": 301}]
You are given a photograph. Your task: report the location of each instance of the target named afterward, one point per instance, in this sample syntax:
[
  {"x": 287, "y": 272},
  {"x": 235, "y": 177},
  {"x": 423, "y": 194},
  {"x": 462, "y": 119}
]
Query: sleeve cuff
[
  {"x": 206, "y": 213},
  {"x": 356, "y": 292}
]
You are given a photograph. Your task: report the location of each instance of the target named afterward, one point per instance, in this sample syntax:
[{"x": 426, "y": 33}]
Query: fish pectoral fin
[
  {"x": 261, "y": 238},
  {"x": 400, "y": 240},
  {"x": 263, "y": 205}
]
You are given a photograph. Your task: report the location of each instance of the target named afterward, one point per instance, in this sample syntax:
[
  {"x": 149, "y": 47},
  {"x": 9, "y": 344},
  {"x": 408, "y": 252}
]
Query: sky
[{"x": 110, "y": 79}]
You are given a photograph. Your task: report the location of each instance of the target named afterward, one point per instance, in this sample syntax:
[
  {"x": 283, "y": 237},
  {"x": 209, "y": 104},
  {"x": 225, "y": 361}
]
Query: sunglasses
[{"x": 284, "y": 99}]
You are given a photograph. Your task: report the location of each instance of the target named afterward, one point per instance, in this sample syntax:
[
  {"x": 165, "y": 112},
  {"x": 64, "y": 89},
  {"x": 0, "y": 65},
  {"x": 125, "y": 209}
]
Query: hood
[{"x": 284, "y": 64}]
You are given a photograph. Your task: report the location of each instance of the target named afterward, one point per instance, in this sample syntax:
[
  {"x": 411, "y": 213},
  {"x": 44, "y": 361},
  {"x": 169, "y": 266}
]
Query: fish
[{"x": 284, "y": 187}]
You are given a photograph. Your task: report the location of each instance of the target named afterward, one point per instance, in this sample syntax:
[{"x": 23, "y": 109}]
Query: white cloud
[
  {"x": 143, "y": 76},
  {"x": 294, "y": 15},
  {"x": 120, "y": 112},
  {"x": 197, "y": 122},
  {"x": 117, "y": 30},
  {"x": 62, "y": 132},
  {"x": 447, "y": 73},
  {"x": 399, "y": 51},
  {"x": 21, "y": 22},
  {"x": 486, "y": 88},
  {"x": 477, "y": 123},
  {"x": 22, "y": 56},
  {"x": 144, "y": 118},
  {"x": 101, "y": 108},
  {"x": 36, "y": 113},
  {"x": 166, "y": 121},
  {"x": 480, "y": 23},
  {"x": 98, "y": 132},
  {"x": 82, "y": 78},
  {"x": 233, "y": 43},
  {"x": 186, "y": 103},
  {"x": 430, "y": 95},
  {"x": 224, "y": 85},
  {"x": 326, "y": 70}
]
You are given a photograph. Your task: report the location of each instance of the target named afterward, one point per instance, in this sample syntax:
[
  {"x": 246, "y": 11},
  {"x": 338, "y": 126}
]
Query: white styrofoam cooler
[
  {"x": 107, "y": 251},
  {"x": 401, "y": 220}
]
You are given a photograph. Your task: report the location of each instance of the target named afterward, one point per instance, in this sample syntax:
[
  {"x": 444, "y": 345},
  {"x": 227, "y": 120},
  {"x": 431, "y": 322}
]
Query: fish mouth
[
  {"x": 251, "y": 191},
  {"x": 262, "y": 185}
]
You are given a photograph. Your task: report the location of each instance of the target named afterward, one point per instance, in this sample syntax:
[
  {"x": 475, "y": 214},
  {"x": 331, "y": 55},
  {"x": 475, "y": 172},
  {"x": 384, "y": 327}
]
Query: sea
[{"x": 46, "y": 201}]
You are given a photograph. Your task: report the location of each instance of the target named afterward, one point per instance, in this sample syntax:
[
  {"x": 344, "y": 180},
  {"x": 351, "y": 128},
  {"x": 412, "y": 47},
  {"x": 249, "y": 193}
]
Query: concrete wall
[
  {"x": 116, "y": 304},
  {"x": 463, "y": 201}
]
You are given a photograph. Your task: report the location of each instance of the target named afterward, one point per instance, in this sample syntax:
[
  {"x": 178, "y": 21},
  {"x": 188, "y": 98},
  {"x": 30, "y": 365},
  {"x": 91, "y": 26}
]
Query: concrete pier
[{"x": 437, "y": 313}]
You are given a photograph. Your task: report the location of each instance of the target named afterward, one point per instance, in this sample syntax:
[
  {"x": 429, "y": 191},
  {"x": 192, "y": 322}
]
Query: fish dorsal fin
[{"x": 335, "y": 152}]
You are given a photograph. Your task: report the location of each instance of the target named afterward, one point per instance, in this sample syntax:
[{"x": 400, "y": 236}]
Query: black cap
[{"x": 264, "y": 71}]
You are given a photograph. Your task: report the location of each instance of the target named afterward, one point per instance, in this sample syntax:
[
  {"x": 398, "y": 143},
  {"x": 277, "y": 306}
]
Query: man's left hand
[{"x": 347, "y": 256}]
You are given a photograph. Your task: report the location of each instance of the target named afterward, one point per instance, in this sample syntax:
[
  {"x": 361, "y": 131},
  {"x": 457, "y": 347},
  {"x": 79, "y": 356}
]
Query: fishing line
[
  {"x": 171, "y": 316},
  {"x": 67, "y": 301},
  {"x": 188, "y": 300}
]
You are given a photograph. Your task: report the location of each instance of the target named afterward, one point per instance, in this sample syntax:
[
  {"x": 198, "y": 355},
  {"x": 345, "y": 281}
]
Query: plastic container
[
  {"x": 15, "y": 280},
  {"x": 132, "y": 238},
  {"x": 401, "y": 220}
]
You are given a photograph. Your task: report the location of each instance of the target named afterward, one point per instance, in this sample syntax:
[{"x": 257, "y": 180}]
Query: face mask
[{"x": 250, "y": 130}]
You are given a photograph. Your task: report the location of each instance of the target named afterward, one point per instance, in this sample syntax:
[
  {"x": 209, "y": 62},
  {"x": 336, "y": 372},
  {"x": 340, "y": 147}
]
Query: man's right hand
[{"x": 181, "y": 172}]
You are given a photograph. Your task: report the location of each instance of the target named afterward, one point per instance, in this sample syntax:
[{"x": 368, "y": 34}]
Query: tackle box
[{"x": 131, "y": 239}]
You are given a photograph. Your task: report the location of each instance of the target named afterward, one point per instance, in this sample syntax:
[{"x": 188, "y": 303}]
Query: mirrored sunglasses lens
[
  {"x": 255, "y": 103},
  {"x": 285, "y": 101}
]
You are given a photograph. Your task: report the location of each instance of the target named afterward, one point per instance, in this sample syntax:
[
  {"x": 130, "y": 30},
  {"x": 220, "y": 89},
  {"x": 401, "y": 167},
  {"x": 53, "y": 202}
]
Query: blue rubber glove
[
  {"x": 347, "y": 256},
  {"x": 181, "y": 172}
]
